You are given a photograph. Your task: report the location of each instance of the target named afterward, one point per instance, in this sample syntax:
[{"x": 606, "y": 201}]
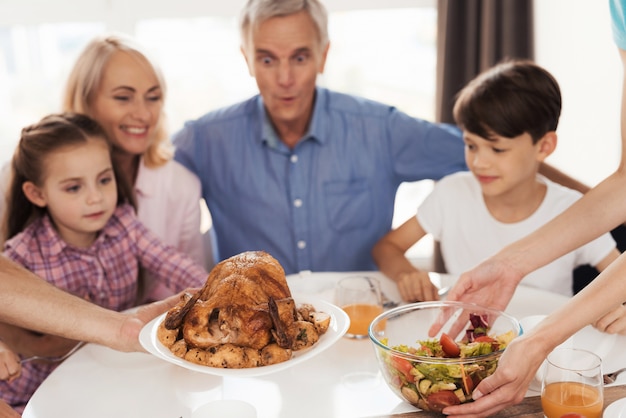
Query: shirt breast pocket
[{"x": 348, "y": 204}]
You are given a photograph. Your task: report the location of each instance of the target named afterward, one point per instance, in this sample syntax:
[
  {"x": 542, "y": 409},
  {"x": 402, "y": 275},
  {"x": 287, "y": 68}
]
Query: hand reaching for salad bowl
[{"x": 432, "y": 373}]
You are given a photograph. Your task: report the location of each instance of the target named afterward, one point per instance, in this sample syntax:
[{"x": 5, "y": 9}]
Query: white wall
[{"x": 574, "y": 42}]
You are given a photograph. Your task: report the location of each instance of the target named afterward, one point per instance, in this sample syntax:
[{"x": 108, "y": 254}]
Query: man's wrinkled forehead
[{"x": 250, "y": 27}]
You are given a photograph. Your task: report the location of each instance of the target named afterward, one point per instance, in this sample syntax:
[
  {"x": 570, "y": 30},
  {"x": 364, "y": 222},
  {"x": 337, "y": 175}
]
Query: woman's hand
[
  {"x": 492, "y": 284},
  {"x": 10, "y": 366},
  {"x": 613, "y": 322},
  {"x": 508, "y": 385}
]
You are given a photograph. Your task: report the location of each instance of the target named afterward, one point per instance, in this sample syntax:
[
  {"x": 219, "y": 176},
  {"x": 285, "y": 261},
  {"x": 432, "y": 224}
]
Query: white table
[{"x": 342, "y": 382}]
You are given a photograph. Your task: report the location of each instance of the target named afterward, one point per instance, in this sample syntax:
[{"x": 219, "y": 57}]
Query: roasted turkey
[{"x": 244, "y": 316}]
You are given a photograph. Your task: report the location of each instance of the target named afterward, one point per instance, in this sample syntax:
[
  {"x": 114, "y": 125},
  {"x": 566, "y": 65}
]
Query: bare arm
[
  {"x": 7, "y": 412},
  {"x": 30, "y": 302},
  {"x": 523, "y": 357},
  {"x": 614, "y": 322},
  {"x": 28, "y": 343},
  {"x": 389, "y": 254}
]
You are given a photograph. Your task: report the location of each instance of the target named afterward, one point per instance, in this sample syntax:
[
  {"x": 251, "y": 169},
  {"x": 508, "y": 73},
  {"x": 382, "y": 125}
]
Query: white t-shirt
[{"x": 456, "y": 215}]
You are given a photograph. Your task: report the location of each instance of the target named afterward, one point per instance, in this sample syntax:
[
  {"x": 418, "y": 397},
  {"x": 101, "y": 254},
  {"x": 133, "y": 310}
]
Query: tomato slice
[
  {"x": 495, "y": 345},
  {"x": 403, "y": 366},
  {"x": 485, "y": 339},
  {"x": 449, "y": 346},
  {"x": 437, "y": 401}
]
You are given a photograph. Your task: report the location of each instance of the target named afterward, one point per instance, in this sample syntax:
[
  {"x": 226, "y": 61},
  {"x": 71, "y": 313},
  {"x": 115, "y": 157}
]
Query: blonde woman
[{"x": 114, "y": 82}]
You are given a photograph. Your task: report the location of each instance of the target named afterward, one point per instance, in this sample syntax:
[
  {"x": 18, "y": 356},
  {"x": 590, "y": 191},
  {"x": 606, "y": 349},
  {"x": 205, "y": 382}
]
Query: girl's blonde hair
[
  {"x": 84, "y": 81},
  {"x": 37, "y": 142}
]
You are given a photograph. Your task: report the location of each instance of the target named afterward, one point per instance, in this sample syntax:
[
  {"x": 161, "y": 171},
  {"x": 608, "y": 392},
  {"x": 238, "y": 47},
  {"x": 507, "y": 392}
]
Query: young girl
[
  {"x": 114, "y": 82},
  {"x": 69, "y": 220}
]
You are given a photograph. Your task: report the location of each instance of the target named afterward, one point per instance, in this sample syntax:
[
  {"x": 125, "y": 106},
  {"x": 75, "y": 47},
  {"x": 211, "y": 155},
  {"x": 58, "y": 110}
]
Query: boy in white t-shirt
[{"x": 509, "y": 115}]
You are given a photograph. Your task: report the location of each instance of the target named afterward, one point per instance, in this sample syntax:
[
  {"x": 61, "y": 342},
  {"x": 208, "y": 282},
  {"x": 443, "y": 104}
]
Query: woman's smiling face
[{"x": 128, "y": 102}]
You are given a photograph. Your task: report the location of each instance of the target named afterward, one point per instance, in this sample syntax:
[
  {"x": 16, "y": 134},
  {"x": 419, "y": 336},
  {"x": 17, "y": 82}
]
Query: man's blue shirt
[{"x": 323, "y": 205}]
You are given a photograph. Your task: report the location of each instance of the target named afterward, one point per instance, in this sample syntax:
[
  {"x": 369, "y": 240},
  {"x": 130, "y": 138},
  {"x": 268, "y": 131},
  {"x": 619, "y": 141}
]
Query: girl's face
[
  {"x": 128, "y": 102},
  {"x": 79, "y": 191}
]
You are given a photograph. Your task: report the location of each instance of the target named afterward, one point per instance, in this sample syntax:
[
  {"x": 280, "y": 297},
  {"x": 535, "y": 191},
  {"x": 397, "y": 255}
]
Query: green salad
[{"x": 434, "y": 385}]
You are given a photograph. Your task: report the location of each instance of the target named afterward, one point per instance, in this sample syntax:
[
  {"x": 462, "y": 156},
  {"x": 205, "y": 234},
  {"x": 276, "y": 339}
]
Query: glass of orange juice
[
  {"x": 360, "y": 298},
  {"x": 572, "y": 383}
]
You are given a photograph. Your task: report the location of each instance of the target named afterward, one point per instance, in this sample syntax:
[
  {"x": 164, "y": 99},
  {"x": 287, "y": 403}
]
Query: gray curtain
[{"x": 474, "y": 35}]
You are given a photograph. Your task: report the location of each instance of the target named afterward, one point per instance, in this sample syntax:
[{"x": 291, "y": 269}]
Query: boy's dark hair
[{"x": 510, "y": 99}]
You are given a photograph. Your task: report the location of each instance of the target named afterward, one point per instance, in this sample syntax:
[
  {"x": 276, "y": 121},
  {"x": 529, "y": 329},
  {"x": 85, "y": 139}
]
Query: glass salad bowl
[{"x": 432, "y": 372}]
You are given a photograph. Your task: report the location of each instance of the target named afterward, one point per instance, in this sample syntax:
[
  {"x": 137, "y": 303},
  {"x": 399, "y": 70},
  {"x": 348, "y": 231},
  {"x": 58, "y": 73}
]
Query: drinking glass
[
  {"x": 360, "y": 298},
  {"x": 572, "y": 383}
]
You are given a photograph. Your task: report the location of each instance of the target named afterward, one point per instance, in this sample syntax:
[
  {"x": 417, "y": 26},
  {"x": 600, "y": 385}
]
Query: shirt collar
[
  {"x": 57, "y": 245},
  {"x": 115, "y": 225},
  {"x": 315, "y": 131}
]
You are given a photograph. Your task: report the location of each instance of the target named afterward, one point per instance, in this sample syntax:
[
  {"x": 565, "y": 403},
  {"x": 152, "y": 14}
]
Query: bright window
[
  {"x": 387, "y": 55},
  {"x": 34, "y": 61}
]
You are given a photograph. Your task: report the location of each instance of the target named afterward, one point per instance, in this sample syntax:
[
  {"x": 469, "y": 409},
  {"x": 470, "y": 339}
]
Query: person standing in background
[{"x": 71, "y": 222}]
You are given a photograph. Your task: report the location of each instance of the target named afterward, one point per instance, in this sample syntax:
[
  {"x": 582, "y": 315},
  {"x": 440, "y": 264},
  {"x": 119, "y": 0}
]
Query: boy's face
[
  {"x": 502, "y": 165},
  {"x": 79, "y": 191}
]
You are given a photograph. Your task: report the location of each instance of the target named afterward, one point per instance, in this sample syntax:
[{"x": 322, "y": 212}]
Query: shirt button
[
  {"x": 302, "y": 245},
  {"x": 297, "y": 203},
  {"x": 294, "y": 158}
]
